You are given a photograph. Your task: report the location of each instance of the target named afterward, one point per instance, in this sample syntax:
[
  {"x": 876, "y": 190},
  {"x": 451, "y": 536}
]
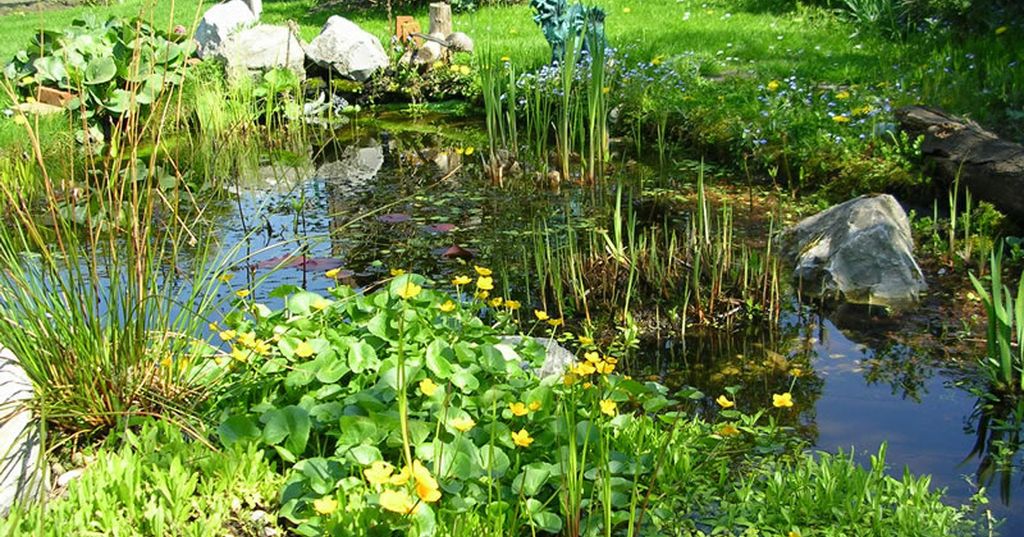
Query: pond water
[{"x": 856, "y": 385}]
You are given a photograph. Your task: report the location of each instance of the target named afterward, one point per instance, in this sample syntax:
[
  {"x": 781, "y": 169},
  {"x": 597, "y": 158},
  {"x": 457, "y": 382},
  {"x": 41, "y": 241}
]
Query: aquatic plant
[
  {"x": 563, "y": 24},
  {"x": 1003, "y": 364}
]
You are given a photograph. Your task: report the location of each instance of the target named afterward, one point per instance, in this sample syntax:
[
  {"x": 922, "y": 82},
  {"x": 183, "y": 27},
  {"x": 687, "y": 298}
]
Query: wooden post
[{"x": 441, "y": 19}]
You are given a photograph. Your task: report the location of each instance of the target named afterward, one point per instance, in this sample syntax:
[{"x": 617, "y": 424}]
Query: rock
[
  {"x": 429, "y": 53},
  {"x": 345, "y": 47},
  {"x": 556, "y": 360},
  {"x": 219, "y": 22},
  {"x": 21, "y": 478},
  {"x": 69, "y": 476},
  {"x": 860, "y": 250},
  {"x": 262, "y": 48},
  {"x": 460, "y": 42},
  {"x": 990, "y": 167}
]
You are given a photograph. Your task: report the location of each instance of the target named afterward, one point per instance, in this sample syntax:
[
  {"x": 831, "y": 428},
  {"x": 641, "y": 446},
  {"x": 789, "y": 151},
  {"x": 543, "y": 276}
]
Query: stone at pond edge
[
  {"x": 860, "y": 250},
  {"x": 262, "y": 48},
  {"x": 348, "y": 49},
  {"x": 557, "y": 358},
  {"x": 219, "y": 22},
  {"x": 20, "y": 477}
]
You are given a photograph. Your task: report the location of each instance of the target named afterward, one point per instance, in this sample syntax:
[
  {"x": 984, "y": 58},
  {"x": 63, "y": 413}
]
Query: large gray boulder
[
  {"x": 348, "y": 49},
  {"x": 22, "y": 475},
  {"x": 557, "y": 359},
  {"x": 262, "y": 48},
  {"x": 219, "y": 22},
  {"x": 860, "y": 251}
]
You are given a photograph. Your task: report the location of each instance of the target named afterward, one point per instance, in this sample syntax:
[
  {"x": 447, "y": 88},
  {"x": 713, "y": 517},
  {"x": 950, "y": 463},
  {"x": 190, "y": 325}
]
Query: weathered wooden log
[
  {"x": 440, "y": 18},
  {"x": 992, "y": 168}
]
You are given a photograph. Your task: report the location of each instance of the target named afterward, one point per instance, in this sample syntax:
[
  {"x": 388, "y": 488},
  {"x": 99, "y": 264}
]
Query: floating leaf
[{"x": 456, "y": 251}]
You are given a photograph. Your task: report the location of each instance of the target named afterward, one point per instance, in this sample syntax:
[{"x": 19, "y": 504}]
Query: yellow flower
[
  {"x": 166, "y": 362},
  {"x": 506, "y": 59},
  {"x": 397, "y": 272},
  {"x": 518, "y": 409},
  {"x": 378, "y": 473},
  {"x": 242, "y": 293},
  {"x": 584, "y": 368},
  {"x": 496, "y": 302},
  {"x": 227, "y": 335},
  {"x": 402, "y": 477},
  {"x": 397, "y": 501},
  {"x": 247, "y": 339},
  {"x": 728, "y": 430},
  {"x": 793, "y": 533},
  {"x": 796, "y": 372},
  {"x": 522, "y": 438},
  {"x": 626, "y": 10},
  {"x": 841, "y": 118},
  {"x": 773, "y": 85},
  {"x": 428, "y": 387},
  {"x": 461, "y": 280},
  {"x": 611, "y": 360},
  {"x": 320, "y": 303},
  {"x": 605, "y": 368},
  {"x": 592, "y": 357},
  {"x": 261, "y": 347},
  {"x": 1002, "y": 30},
  {"x": 534, "y": 406},
  {"x": 447, "y": 307},
  {"x": 556, "y": 322},
  {"x": 569, "y": 378},
  {"x": 586, "y": 341},
  {"x": 304, "y": 350},
  {"x": 605, "y": 90},
  {"x": 512, "y": 305},
  {"x": 782, "y": 401},
  {"x": 481, "y": 295},
  {"x": 409, "y": 290},
  {"x": 842, "y": 95},
  {"x": 213, "y": 327},
  {"x": 657, "y": 60},
  {"x": 724, "y": 401},
  {"x": 462, "y": 424},
  {"x": 240, "y": 355},
  {"x": 470, "y": 149},
  {"x": 485, "y": 283},
  {"x": 226, "y": 277},
  {"x": 426, "y": 486},
  {"x": 608, "y": 407},
  {"x": 541, "y": 315},
  {"x": 325, "y": 505},
  {"x": 465, "y": 70},
  {"x": 333, "y": 273},
  {"x": 863, "y": 110}
]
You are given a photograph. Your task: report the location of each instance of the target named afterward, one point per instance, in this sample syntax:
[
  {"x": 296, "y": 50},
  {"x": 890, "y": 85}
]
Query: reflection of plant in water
[{"x": 997, "y": 427}]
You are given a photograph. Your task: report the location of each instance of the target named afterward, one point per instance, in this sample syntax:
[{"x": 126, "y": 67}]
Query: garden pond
[{"x": 382, "y": 201}]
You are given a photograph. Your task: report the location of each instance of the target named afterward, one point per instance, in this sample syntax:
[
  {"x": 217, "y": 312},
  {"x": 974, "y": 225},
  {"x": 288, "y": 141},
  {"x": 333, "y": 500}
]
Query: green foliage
[
  {"x": 334, "y": 386},
  {"x": 157, "y": 483},
  {"x": 114, "y": 68},
  {"x": 1004, "y": 360}
]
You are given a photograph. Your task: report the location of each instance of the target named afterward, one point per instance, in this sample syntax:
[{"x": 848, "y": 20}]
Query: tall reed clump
[
  {"x": 698, "y": 268},
  {"x": 107, "y": 280},
  {"x": 1003, "y": 364}
]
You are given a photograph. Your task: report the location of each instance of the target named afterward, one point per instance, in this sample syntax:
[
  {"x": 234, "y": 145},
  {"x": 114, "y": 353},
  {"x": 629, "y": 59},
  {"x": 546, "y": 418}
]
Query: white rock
[
  {"x": 860, "y": 250},
  {"x": 348, "y": 49},
  {"x": 429, "y": 53},
  {"x": 21, "y": 476},
  {"x": 262, "y": 48},
  {"x": 69, "y": 476},
  {"x": 219, "y": 22},
  {"x": 556, "y": 359},
  {"x": 460, "y": 42}
]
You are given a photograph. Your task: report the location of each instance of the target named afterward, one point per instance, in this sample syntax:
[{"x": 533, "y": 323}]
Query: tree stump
[
  {"x": 440, "y": 19},
  {"x": 992, "y": 168}
]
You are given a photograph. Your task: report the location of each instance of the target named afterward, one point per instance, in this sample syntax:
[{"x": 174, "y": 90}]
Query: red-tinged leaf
[{"x": 456, "y": 251}]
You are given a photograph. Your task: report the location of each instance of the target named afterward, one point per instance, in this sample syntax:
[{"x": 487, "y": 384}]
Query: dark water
[{"x": 855, "y": 388}]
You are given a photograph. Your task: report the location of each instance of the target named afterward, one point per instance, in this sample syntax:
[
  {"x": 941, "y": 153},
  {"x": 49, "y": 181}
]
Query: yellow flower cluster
[
  {"x": 246, "y": 344},
  {"x": 381, "y": 473}
]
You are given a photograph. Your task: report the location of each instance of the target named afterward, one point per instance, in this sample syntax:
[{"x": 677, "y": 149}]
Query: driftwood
[{"x": 992, "y": 168}]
